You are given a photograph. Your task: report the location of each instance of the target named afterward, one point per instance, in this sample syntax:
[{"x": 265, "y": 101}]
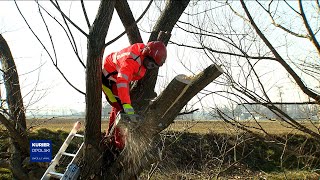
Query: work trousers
[{"x": 109, "y": 88}]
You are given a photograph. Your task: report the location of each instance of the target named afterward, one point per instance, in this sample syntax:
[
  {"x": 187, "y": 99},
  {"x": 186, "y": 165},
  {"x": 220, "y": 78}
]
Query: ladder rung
[
  {"x": 79, "y": 135},
  {"x": 68, "y": 154},
  {"x": 55, "y": 174},
  {"x": 50, "y": 172}
]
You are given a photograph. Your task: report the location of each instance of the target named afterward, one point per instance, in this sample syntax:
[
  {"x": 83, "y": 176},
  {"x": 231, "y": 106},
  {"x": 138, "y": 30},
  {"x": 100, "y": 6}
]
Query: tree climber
[{"x": 119, "y": 69}]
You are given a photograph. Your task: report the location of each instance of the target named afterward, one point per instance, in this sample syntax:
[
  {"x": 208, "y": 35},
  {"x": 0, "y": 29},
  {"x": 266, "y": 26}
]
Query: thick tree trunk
[
  {"x": 128, "y": 21},
  {"x": 11, "y": 80},
  {"x": 16, "y": 160},
  {"x": 158, "y": 116},
  {"x": 167, "y": 106},
  {"x": 143, "y": 91},
  {"x": 129, "y": 162},
  {"x": 169, "y": 103},
  {"x": 14, "y": 98},
  {"x": 16, "y": 126},
  {"x": 92, "y": 150}
]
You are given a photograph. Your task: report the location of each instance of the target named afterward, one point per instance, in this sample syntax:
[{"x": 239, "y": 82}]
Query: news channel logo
[{"x": 40, "y": 150}]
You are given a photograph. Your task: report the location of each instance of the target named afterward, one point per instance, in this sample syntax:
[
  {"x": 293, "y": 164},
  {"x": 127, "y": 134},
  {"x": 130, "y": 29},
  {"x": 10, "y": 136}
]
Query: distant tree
[{"x": 251, "y": 47}]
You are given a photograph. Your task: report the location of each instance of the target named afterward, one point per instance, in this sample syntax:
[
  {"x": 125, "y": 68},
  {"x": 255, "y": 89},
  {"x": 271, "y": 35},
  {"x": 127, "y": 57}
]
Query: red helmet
[{"x": 156, "y": 50}]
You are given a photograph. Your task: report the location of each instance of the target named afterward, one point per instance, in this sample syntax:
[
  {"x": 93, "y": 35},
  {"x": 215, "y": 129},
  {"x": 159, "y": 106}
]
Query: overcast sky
[
  {"x": 42, "y": 85},
  {"x": 38, "y": 77}
]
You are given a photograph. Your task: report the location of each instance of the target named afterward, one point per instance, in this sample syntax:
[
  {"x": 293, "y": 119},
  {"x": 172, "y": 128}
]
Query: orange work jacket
[{"x": 123, "y": 67}]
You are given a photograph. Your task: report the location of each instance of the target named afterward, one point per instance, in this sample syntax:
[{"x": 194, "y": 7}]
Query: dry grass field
[
  {"x": 271, "y": 127},
  {"x": 201, "y": 127},
  {"x": 206, "y": 150}
]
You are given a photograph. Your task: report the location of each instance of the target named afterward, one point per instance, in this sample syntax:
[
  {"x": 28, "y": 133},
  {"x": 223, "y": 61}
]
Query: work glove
[{"x": 128, "y": 109}]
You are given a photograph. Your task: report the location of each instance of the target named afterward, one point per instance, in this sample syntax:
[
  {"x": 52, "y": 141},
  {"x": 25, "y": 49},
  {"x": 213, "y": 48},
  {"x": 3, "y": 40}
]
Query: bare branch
[
  {"x": 143, "y": 91},
  {"x": 312, "y": 37},
  {"x": 136, "y": 22},
  {"x": 85, "y": 14},
  {"x": 224, "y": 52},
  {"x": 223, "y": 116},
  {"x": 298, "y": 80},
  {"x": 274, "y": 21},
  {"x": 188, "y": 112},
  {"x": 14, "y": 133},
  {"x": 236, "y": 12},
  {"x": 71, "y": 39},
  {"x": 44, "y": 47},
  {"x": 66, "y": 17},
  {"x": 279, "y": 103},
  {"x": 127, "y": 19},
  {"x": 50, "y": 37},
  {"x": 291, "y": 7}
]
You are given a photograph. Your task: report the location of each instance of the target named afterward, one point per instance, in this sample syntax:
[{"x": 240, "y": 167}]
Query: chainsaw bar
[{"x": 129, "y": 121}]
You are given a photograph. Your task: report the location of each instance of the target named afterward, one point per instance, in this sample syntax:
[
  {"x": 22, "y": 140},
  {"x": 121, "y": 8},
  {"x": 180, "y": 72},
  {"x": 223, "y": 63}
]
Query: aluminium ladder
[{"x": 73, "y": 170}]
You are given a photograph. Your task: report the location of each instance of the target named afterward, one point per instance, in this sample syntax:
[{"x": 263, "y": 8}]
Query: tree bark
[
  {"x": 128, "y": 21},
  {"x": 97, "y": 36},
  {"x": 19, "y": 147},
  {"x": 12, "y": 85},
  {"x": 11, "y": 80},
  {"x": 134, "y": 157},
  {"x": 170, "y": 102},
  {"x": 143, "y": 91},
  {"x": 158, "y": 116}
]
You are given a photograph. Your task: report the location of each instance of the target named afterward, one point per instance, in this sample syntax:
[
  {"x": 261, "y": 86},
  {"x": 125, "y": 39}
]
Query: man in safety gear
[{"x": 119, "y": 69}]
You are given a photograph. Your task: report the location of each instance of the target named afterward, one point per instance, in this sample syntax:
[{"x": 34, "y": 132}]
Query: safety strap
[
  {"x": 112, "y": 73},
  {"x": 109, "y": 75}
]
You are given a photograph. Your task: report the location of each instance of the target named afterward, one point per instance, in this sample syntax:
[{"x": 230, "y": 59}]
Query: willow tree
[
  {"x": 258, "y": 43},
  {"x": 12, "y": 115},
  {"x": 158, "y": 114}
]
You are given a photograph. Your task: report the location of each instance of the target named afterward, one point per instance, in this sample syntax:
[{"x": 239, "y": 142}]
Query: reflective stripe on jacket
[{"x": 128, "y": 64}]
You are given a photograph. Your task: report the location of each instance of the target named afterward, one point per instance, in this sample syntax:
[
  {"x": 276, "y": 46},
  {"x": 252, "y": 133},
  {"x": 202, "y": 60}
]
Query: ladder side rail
[
  {"x": 64, "y": 146},
  {"x": 62, "y": 149},
  {"x": 73, "y": 169},
  {"x": 77, "y": 156}
]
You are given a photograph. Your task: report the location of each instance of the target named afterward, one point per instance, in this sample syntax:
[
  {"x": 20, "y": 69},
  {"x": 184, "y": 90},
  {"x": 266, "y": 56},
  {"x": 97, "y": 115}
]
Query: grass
[
  {"x": 201, "y": 127},
  {"x": 206, "y": 150},
  {"x": 204, "y": 127},
  {"x": 5, "y": 174},
  {"x": 58, "y": 124},
  {"x": 292, "y": 175},
  {"x": 211, "y": 156}
]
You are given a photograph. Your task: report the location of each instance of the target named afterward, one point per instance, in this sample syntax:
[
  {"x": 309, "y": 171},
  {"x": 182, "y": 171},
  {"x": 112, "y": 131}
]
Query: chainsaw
[{"x": 126, "y": 121}]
